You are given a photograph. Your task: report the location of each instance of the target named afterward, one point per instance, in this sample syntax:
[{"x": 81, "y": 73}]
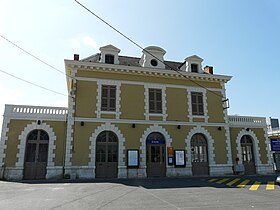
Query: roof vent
[{"x": 153, "y": 57}]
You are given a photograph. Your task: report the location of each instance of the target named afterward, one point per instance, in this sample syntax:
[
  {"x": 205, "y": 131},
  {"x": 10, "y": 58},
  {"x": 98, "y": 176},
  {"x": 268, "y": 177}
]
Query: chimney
[
  {"x": 208, "y": 69},
  {"x": 76, "y": 57}
]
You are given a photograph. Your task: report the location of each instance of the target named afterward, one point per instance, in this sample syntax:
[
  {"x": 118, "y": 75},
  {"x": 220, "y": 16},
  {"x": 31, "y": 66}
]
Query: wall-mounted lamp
[
  {"x": 82, "y": 123},
  {"x": 219, "y": 128},
  {"x": 133, "y": 125},
  {"x": 247, "y": 129},
  {"x": 179, "y": 126}
]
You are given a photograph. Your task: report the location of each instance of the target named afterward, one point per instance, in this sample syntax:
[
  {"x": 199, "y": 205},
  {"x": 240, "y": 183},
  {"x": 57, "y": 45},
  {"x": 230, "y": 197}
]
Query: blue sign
[
  {"x": 155, "y": 142},
  {"x": 275, "y": 144}
]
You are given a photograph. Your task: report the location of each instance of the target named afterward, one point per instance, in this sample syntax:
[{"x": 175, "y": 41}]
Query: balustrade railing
[
  {"x": 19, "y": 111},
  {"x": 246, "y": 120}
]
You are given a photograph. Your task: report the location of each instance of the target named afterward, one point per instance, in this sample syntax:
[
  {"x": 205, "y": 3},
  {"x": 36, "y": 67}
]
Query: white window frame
[
  {"x": 205, "y": 110},
  {"x": 163, "y": 99},
  {"x": 98, "y": 111}
]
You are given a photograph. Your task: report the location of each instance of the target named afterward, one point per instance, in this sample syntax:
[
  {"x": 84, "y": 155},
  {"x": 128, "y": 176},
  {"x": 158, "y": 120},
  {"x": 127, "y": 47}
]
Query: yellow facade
[{"x": 210, "y": 140}]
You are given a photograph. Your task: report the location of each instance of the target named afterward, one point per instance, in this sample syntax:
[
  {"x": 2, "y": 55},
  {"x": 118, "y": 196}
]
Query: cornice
[{"x": 134, "y": 70}]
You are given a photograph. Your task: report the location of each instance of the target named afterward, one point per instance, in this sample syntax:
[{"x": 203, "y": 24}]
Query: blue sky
[{"x": 239, "y": 38}]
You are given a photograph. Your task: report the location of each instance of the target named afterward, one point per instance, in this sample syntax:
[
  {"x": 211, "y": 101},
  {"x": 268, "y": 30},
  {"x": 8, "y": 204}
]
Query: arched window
[
  {"x": 107, "y": 155},
  {"x": 199, "y": 148},
  {"x": 36, "y": 154}
]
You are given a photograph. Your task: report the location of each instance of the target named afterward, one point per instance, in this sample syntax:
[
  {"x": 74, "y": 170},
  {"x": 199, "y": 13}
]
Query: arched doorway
[
  {"x": 199, "y": 154},
  {"x": 36, "y": 155},
  {"x": 106, "y": 155},
  {"x": 155, "y": 155},
  {"x": 247, "y": 151}
]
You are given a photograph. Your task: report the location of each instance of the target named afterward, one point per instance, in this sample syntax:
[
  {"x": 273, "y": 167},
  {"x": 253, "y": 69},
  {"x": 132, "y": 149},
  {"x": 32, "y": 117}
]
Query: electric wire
[
  {"x": 129, "y": 39},
  {"x": 37, "y": 58},
  {"x": 31, "y": 83}
]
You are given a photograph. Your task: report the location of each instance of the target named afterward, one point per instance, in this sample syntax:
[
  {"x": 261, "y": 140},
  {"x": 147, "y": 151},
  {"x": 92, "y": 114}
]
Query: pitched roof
[{"x": 130, "y": 61}]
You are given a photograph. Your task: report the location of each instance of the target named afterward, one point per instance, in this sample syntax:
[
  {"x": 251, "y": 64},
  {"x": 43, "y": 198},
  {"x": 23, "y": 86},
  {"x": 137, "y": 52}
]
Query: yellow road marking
[
  {"x": 212, "y": 180},
  {"x": 233, "y": 181},
  {"x": 222, "y": 180},
  {"x": 270, "y": 186},
  {"x": 242, "y": 184},
  {"x": 255, "y": 186}
]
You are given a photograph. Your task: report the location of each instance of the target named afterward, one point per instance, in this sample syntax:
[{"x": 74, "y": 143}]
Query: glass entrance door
[{"x": 155, "y": 155}]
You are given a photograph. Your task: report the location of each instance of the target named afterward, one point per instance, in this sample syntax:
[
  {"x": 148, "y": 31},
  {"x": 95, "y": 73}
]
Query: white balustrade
[
  {"x": 38, "y": 112},
  {"x": 247, "y": 121}
]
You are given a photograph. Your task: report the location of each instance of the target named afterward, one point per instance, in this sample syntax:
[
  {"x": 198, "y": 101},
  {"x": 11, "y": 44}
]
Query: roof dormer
[
  {"x": 109, "y": 54},
  {"x": 148, "y": 58},
  {"x": 193, "y": 64}
]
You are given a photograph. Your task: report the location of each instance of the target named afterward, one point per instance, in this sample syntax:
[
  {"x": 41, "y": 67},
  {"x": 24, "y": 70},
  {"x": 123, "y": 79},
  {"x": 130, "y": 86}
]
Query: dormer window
[
  {"x": 194, "y": 68},
  {"x": 109, "y": 59}
]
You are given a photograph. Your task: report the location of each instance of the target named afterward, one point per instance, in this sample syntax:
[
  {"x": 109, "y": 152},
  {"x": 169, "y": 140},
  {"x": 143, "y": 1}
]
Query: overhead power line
[
  {"x": 37, "y": 58},
  {"x": 139, "y": 46},
  {"x": 31, "y": 83}
]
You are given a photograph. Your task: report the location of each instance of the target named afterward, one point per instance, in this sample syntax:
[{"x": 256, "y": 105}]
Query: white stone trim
[
  {"x": 151, "y": 129},
  {"x": 118, "y": 97},
  {"x": 91, "y": 66},
  {"x": 147, "y": 114},
  {"x": 210, "y": 144},
  {"x": 268, "y": 150},
  {"x": 255, "y": 145},
  {"x": 70, "y": 122},
  {"x": 22, "y": 143},
  {"x": 205, "y": 110},
  {"x": 121, "y": 143},
  {"x": 4, "y": 138}
]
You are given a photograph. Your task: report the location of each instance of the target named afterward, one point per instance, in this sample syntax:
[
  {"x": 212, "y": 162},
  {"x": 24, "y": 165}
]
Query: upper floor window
[
  {"x": 194, "y": 67},
  {"x": 109, "y": 58},
  {"x": 155, "y": 101},
  {"x": 197, "y": 103},
  {"x": 108, "y": 98}
]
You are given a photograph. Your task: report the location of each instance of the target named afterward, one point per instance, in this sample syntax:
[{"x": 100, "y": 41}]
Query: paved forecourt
[{"x": 165, "y": 193}]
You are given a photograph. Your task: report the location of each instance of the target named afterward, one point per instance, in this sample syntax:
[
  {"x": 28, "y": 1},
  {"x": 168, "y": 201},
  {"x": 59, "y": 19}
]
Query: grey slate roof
[{"x": 131, "y": 61}]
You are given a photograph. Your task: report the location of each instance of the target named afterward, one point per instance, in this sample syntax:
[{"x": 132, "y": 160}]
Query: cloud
[
  {"x": 83, "y": 40},
  {"x": 90, "y": 42}
]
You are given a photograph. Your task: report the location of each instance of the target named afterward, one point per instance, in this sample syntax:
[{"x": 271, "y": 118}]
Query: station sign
[{"x": 275, "y": 145}]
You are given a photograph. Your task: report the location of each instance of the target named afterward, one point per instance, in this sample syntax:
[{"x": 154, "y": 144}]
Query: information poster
[
  {"x": 132, "y": 158},
  {"x": 179, "y": 157}
]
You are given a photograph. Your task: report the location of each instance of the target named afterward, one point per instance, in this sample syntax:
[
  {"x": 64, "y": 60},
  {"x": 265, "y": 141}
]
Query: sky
[{"x": 238, "y": 38}]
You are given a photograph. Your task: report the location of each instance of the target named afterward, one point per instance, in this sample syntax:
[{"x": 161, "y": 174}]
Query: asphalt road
[{"x": 158, "y": 193}]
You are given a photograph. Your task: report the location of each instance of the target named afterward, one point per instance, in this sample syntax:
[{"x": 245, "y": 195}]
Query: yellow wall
[
  {"x": 178, "y": 135},
  {"x": 15, "y": 129},
  {"x": 86, "y": 99},
  {"x": 262, "y": 142},
  {"x": 80, "y": 150},
  {"x": 132, "y": 102},
  {"x": 215, "y": 107},
  {"x": 177, "y": 104},
  {"x": 60, "y": 129},
  {"x": 219, "y": 137}
]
